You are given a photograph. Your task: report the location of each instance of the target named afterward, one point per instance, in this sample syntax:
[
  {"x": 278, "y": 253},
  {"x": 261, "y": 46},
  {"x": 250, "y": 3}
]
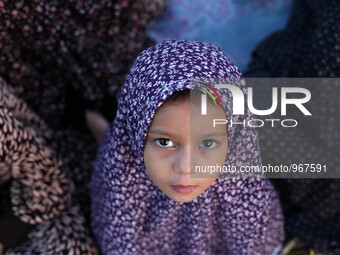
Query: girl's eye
[
  {"x": 208, "y": 144},
  {"x": 166, "y": 143}
]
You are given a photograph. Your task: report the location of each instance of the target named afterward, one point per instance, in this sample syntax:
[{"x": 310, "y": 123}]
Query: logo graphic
[
  {"x": 204, "y": 98},
  {"x": 243, "y": 97},
  {"x": 238, "y": 99}
]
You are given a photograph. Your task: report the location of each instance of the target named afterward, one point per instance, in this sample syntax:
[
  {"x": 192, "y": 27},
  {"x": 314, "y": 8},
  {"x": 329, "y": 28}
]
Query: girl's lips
[{"x": 184, "y": 189}]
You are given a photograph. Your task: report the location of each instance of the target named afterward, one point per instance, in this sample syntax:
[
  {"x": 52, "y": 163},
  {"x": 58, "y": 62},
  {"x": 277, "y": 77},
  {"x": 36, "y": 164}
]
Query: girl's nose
[{"x": 181, "y": 161}]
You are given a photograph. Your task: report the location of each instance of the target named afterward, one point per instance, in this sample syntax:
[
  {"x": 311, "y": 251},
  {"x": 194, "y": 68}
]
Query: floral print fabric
[
  {"x": 62, "y": 57},
  {"x": 40, "y": 187}
]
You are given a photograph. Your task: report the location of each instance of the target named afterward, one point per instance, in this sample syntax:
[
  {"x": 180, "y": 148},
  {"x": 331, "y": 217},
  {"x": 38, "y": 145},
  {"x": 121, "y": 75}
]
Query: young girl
[{"x": 144, "y": 199}]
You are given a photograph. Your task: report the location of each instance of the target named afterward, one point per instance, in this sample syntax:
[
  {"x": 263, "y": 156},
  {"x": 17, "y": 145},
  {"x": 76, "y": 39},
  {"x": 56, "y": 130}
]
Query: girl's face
[{"x": 179, "y": 139}]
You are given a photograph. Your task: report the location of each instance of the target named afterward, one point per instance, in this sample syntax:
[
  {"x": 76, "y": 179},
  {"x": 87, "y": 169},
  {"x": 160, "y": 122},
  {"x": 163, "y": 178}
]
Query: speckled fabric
[
  {"x": 23, "y": 149},
  {"x": 40, "y": 187},
  {"x": 130, "y": 215},
  {"x": 63, "y": 57},
  {"x": 309, "y": 46},
  {"x": 51, "y": 47}
]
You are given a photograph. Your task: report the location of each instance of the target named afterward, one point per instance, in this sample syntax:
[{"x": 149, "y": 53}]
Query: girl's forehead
[{"x": 173, "y": 114}]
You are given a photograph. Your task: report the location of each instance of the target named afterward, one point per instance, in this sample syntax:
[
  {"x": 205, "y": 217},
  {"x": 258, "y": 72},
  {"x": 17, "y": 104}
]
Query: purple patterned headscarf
[{"x": 131, "y": 215}]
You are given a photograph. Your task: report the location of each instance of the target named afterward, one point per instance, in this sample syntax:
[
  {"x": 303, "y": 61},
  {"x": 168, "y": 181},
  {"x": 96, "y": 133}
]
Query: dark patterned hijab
[
  {"x": 131, "y": 215},
  {"x": 62, "y": 57},
  {"x": 55, "y": 49},
  {"x": 309, "y": 45}
]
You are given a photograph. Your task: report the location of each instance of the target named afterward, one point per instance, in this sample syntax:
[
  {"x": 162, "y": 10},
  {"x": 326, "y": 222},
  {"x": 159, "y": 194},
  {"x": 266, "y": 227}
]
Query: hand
[
  {"x": 1, "y": 249},
  {"x": 97, "y": 124}
]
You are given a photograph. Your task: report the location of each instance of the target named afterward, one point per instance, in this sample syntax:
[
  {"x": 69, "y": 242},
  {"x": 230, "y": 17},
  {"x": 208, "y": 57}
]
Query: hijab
[
  {"x": 55, "y": 48},
  {"x": 131, "y": 215},
  {"x": 63, "y": 57}
]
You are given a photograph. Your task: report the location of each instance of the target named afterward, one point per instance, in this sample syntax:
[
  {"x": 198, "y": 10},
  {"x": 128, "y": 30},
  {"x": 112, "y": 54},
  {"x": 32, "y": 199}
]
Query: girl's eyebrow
[
  {"x": 160, "y": 132},
  {"x": 214, "y": 134}
]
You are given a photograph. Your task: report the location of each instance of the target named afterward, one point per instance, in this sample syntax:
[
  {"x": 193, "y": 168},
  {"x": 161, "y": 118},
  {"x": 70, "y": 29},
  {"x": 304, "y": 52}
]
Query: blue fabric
[{"x": 236, "y": 26}]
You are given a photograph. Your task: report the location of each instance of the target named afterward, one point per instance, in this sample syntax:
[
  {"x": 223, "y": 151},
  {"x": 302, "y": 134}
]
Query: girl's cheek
[
  {"x": 160, "y": 152},
  {"x": 210, "y": 153},
  {"x": 213, "y": 156}
]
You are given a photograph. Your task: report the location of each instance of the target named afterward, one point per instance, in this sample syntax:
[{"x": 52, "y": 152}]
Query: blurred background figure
[
  {"x": 37, "y": 215},
  {"x": 309, "y": 46},
  {"x": 236, "y": 26},
  {"x": 67, "y": 60}
]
